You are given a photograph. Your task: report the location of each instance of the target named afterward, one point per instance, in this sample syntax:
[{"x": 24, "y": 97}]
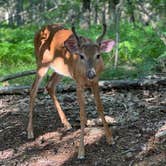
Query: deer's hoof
[
  {"x": 68, "y": 127},
  {"x": 81, "y": 157},
  {"x": 110, "y": 141},
  {"x": 30, "y": 135},
  {"x": 81, "y": 154}
]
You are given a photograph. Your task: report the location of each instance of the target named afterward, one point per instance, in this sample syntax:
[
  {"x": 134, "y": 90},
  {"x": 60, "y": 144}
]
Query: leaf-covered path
[{"x": 136, "y": 116}]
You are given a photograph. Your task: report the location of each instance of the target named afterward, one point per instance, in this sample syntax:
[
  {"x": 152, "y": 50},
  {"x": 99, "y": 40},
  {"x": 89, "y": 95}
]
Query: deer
[{"x": 76, "y": 57}]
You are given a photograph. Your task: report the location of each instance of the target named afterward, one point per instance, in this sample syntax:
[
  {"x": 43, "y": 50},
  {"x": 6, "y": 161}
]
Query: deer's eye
[
  {"x": 81, "y": 56},
  {"x": 98, "y": 56}
]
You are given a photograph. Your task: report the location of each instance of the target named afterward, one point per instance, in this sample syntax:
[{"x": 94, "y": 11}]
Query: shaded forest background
[{"x": 137, "y": 26}]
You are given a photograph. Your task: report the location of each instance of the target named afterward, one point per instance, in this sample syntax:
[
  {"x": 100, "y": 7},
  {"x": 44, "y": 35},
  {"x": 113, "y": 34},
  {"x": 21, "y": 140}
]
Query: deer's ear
[
  {"x": 71, "y": 44},
  {"x": 107, "y": 45}
]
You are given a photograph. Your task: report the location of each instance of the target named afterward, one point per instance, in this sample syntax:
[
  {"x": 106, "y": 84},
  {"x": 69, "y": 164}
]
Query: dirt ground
[{"x": 137, "y": 118}]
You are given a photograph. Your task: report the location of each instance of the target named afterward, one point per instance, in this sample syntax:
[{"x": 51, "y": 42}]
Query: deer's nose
[{"x": 91, "y": 73}]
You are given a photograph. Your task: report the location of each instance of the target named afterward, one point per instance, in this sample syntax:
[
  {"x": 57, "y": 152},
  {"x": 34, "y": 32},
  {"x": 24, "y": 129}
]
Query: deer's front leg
[
  {"x": 80, "y": 97},
  {"x": 95, "y": 90}
]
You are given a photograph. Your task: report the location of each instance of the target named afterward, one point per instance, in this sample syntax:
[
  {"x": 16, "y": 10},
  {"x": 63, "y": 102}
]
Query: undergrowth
[{"x": 139, "y": 48}]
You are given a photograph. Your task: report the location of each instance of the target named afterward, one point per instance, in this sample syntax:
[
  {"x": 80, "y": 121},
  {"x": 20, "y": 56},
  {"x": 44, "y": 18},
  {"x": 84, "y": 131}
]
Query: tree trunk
[
  {"x": 96, "y": 13},
  {"x": 86, "y": 21},
  {"x": 131, "y": 11},
  {"x": 32, "y": 10},
  {"x": 111, "y": 11},
  {"x": 104, "y": 13},
  {"x": 11, "y": 12},
  {"x": 118, "y": 12},
  {"x": 19, "y": 10}
]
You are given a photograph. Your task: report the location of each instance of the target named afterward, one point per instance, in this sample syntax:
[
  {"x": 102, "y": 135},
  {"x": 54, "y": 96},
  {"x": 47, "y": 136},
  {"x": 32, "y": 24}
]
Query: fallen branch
[
  {"x": 20, "y": 90},
  {"x": 11, "y": 90},
  {"x": 104, "y": 85},
  {"x": 132, "y": 83},
  {"x": 17, "y": 75}
]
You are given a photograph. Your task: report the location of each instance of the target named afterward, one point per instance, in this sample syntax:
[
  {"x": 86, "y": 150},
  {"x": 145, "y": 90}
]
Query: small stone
[{"x": 129, "y": 155}]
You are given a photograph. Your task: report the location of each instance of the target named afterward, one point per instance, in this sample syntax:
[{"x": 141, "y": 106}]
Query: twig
[{"x": 17, "y": 75}]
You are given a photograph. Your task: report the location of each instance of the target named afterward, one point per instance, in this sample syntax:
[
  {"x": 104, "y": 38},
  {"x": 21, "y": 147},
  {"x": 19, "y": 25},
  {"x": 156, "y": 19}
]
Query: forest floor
[{"x": 137, "y": 118}]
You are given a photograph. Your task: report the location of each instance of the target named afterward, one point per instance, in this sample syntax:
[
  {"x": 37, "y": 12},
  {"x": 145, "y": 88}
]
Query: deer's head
[{"x": 89, "y": 52}]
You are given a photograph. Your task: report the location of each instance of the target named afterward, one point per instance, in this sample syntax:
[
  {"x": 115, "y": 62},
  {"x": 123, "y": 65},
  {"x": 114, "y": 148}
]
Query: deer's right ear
[{"x": 71, "y": 45}]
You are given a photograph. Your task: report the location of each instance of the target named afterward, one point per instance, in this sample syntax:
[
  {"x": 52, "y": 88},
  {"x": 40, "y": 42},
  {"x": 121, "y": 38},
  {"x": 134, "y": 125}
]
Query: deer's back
[
  {"x": 50, "y": 50},
  {"x": 49, "y": 41}
]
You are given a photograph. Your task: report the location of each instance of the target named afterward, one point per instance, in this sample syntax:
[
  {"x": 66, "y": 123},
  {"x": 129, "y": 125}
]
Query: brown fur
[{"x": 51, "y": 52}]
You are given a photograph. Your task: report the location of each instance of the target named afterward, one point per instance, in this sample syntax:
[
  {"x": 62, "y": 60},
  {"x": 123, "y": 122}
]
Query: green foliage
[
  {"x": 16, "y": 46},
  {"x": 138, "y": 50},
  {"x": 138, "y": 44}
]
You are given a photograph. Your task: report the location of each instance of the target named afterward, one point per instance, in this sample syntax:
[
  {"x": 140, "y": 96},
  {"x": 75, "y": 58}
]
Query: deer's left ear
[
  {"x": 107, "y": 45},
  {"x": 71, "y": 44}
]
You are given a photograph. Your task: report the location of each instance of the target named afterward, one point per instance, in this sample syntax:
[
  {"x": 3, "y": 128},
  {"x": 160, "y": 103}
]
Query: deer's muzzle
[{"x": 91, "y": 73}]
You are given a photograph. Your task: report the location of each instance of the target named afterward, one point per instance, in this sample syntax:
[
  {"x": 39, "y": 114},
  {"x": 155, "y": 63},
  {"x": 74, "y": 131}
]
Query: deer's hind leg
[
  {"x": 39, "y": 76},
  {"x": 55, "y": 78}
]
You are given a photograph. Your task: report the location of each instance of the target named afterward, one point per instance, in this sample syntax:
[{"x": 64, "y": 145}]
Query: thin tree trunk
[
  {"x": 104, "y": 13},
  {"x": 11, "y": 11},
  {"x": 86, "y": 21},
  {"x": 96, "y": 12},
  {"x": 117, "y": 15},
  {"x": 131, "y": 11},
  {"x": 19, "y": 10},
  {"x": 111, "y": 11},
  {"x": 32, "y": 10}
]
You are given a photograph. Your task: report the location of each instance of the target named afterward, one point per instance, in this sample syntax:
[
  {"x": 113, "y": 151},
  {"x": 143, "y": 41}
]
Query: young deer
[{"x": 73, "y": 56}]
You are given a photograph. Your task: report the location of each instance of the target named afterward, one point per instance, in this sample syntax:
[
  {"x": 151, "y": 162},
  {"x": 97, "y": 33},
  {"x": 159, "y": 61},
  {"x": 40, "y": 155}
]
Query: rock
[
  {"x": 160, "y": 134},
  {"x": 69, "y": 99},
  {"x": 129, "y": 155}
]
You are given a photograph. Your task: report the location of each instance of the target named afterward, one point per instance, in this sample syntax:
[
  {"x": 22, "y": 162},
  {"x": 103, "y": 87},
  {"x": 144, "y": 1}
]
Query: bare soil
[{"x": 137, "y": 118}]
